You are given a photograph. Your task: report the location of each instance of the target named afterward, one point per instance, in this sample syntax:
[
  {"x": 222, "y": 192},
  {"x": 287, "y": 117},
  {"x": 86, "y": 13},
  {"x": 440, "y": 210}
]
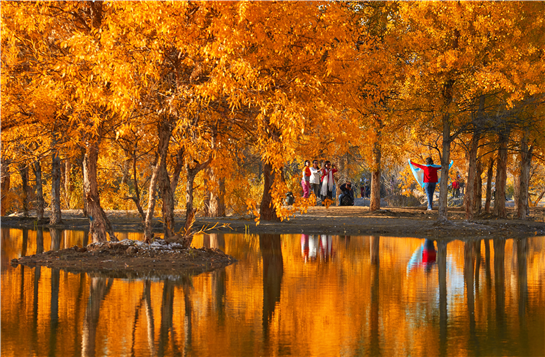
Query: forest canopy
[{"x": 157, "y": 106}]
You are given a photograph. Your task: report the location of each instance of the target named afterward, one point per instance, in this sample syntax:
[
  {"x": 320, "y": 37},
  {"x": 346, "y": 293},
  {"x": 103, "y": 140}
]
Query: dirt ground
[
  {"x": 136, "y": 260},
  {"x": 356, "y": 220},
  {"x": 399, "y": 222},
  {"x": 130, "y": 259}
]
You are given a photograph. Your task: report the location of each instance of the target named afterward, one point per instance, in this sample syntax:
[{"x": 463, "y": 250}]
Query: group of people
[
  {"x": 458, "y": 186},
  {"x": 320, "y": 181}
]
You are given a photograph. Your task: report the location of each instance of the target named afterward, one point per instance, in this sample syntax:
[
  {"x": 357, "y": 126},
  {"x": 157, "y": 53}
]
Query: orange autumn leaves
[{"x": 279, "y": 81}]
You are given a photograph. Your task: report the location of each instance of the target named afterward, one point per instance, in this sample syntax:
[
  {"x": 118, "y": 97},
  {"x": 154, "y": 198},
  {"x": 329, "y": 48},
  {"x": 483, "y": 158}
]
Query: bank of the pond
[
  {"x": 131, "y": 259},
  {"x": 393, "y": 221}
]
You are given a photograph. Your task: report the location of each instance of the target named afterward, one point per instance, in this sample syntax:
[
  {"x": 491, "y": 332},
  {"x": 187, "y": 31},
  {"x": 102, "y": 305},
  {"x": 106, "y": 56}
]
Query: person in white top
[{"x": 316, "y": 173}]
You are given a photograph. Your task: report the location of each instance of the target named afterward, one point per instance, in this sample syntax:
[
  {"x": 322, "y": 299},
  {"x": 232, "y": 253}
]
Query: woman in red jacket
[{"x": 430, "y": 179}]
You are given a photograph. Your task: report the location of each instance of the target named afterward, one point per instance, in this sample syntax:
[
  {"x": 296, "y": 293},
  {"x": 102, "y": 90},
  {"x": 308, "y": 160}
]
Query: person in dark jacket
[{"x": 347, "y": 196}]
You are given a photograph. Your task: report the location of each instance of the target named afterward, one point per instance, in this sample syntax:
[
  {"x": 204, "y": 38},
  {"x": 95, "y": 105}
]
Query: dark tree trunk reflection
[
  {"x": 273, "y": 270},
  {"x": 374, "y": 337},
  {"x": 98, "y": 291},
  {"x": 443, "y": 310}
]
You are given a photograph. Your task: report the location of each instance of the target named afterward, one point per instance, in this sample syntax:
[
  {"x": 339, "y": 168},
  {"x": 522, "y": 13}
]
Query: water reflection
[
  {"x": 314, "y": 246},
  {"x": 424, "y": 256},
  {"x": 273, "y": 270},
  {"x": 288, "y": 295},
  {"x": 374, "y": 333},
  {"x": 99, "y": 289}
]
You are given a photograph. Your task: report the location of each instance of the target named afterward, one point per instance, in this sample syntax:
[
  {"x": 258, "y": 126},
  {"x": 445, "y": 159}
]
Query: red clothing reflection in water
[
  {"x": 429, "y": 254},
  {"x": 313, "y": 245}
]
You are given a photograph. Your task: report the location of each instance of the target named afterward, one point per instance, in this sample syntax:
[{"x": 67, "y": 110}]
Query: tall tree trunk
[
  {"x": 470, "y": 187},
  {"x": 526, "y": 159},
  {"x": 81, "y": 164},
  {"x": 177, "y": 170},
  {"x": 489, "y": 175},
  {"x": 445, "y": 161},
  {"x": 221, "y": 198},
  {"x": 55, "y": 188},
  {"x": 191, "y": 174},
  {"x": 168, "y": 203},
  {"x": 501, "y": 175},
  {"x": 5, "y": 183},
  {"x": 99, "y": 224},
  {"x": 40, "y": 203},
  {"x": 23, "y": 171},
  {"x": 267, "y": 209},
  {"x": 374, "y": 201},
  {"x": 214, "y": 201},
  {"x": 210, "y": 196},
  {"x": 164, "y": 132},
  {"x": 477, "y": 205},
  {"x": 176, "y": 173},
  {"x": 516, "y": 180},
  {"x": 68, "y": 185}
]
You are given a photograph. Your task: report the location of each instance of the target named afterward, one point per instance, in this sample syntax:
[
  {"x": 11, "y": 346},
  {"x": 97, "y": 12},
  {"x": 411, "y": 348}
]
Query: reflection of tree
[
  {"x": 499, "y": 285},
  {"x": 273, "y": 270},
  {"x": 56, "y": 235},
  {"x": 54, "y": 318},
  {"x": 187, "y": 286},
  {"x": 443, "y": 312},
  {"x": 469, "y": 274},
  {"x": 346, "y": 241},
  {"x": 218, "y": 277},
  {"x": 478, "y": 260},
  {"x": 374, "y": 348},
  {"x": 37, "y": 275},
  {"x": 85, "y": 238},
  {"x": 149, "y": 316},
  {"x": 80, "y": 301},
  {"x": 39, "y": 241},
  {"x": 99, "y": 289},
  {"x": 488, "y": 270},
  {"x": 23, "y": 253},
  {"x": 521, "y": 246},
  {"x": 219, "y": 291},
  {"x": 25, "y": 242},
  {"x": 214, "y": 240},
  {"x": 166, "y": 332}
]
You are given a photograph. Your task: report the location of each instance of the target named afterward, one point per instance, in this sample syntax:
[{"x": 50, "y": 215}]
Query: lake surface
[{"x": 287, "y": 295}]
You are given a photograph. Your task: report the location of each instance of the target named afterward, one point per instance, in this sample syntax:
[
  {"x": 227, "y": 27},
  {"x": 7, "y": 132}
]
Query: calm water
[{"x": 288, "y": 295}]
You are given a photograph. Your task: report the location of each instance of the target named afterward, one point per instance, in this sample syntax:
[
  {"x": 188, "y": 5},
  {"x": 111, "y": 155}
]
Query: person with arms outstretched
[{"x": 430, "y": 178}]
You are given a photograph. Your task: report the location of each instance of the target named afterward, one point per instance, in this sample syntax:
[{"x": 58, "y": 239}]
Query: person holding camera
[{"x": 347, "y": 196}]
